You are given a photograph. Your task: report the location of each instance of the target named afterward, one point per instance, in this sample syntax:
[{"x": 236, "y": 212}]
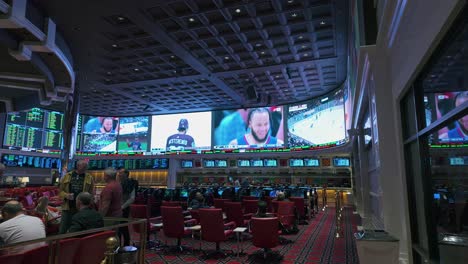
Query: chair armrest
[
  {"x": 190, "y": 222},
  {"x": 248, "y": 216},
  {"x": 230, "y": 225}
]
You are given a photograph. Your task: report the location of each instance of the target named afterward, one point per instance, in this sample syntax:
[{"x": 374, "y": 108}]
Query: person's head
[
  {"x": 183, "y": 125},
  {"x": 262, "y": 208},
  {"x": 110, "y": 174},
  {"x": 123, "y": 174},
  {"x": 42, "y": 204},
  {"x": 2, "y": 169},
  {"x": 199, "y": 196},
  {"x": 84, "y": 199},
  {"x": 107, "y": 124},
  {"x": 459, "y": 100},
  {"x": 280, "y": 196},
  {"x": 259, "y": 123},
  {"x": 11, "y": 209},
  {"x": 81, "y": 166}
]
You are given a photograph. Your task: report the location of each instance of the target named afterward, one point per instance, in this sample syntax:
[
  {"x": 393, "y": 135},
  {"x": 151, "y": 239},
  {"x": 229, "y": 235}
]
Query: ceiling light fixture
[
  {"x": 304, "y": 46},
  {"x": 290, "y": 1},
  {"x": 121, "y": 18},
  {"x": 141, "y": 62},
  {"x": 263, "y": 53},
  {"x": 322, "y": 23},
  {"x": 305, "y": 55},
  {"x": 238, "y": 10},
  {"x": 300, "y": 37},
  {"x": 258, "y": 45},
  {"x": 172, "y": 56},
  {"x": 294, "y": 15},
  {"x": 226, "y": 58},
  {"x": 114, "y": 45},
  {"x": 109, "y": 73},
  {"x": 136, "y": 69},
  {"x": 191, "y": 19}
]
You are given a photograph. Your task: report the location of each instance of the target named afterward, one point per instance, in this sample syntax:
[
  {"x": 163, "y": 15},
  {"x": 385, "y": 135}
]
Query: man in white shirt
[{"x": 18, "y": 227}]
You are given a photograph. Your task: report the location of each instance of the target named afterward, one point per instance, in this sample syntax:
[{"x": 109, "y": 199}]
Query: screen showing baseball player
[{"x": 178, "y": 132}]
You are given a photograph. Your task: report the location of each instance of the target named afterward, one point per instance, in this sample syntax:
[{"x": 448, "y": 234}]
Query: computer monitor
[
  {"x": 184, "y": 193},
  {"x": 273, "y": 193},
  {"x": 220, "y": 191},
  {"x": 437, "y": 196}
]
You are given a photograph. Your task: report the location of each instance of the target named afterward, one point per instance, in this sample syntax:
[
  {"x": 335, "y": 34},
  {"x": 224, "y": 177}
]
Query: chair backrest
[
  {"x": 68, "y": 249},
  {"x": 211, "y": 221},
  {"x": 93, "y": 247},
  {"x": 171, "y": 203},
  {"x": 12, "y": 258},
  {"x": 249, "y": 198},
  {"x": 300, "y": 204},
  {"x": 195, "y": 215},
  {"x": 274, "y": 206},
  {"x": 219, "y": 203},
  {"x": 173, "y": 221},
  {"x": 139, "y": 211},
  {"x": 264, "y": 232},
  {"x": 250, "y": 206},
  {"x": 286, "y": 213},
  {"x": 234, "y": 213},
  {"x": 39, "y": 255}
]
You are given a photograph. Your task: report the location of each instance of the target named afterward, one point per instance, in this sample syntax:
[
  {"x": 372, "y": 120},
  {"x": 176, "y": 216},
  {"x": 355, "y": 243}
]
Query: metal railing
[{"x": 54, "y": 245}]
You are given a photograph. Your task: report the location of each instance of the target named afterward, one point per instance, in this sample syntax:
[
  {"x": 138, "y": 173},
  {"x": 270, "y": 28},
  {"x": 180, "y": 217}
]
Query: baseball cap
[{"x": 183, "y": 124}]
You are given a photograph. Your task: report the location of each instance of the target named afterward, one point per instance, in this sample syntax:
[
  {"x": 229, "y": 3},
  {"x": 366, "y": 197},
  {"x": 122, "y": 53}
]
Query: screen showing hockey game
[{"x": 317, "y": 122}]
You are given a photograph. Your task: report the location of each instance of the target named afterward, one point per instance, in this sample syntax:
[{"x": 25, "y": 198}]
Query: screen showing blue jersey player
[{"x": 180, "y": 140}]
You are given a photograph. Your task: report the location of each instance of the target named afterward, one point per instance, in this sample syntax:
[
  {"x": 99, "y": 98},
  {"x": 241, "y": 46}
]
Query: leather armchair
[
  {"x": 141, "y": 211},
  {"x": 234, "y": 213},
  {"x": 174, "y": 225},
  {"x": 213, "y": 227},
  {"x": 265, "y": 233}
]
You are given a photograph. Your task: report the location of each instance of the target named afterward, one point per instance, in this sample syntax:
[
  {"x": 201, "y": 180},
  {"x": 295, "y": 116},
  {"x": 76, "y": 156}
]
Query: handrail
[{"x": 53, "y": 240}]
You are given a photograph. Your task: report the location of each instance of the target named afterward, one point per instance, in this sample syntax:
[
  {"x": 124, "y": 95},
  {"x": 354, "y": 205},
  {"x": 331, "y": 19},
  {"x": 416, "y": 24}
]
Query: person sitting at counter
[
  {"x": 198, "y": 202},
  {"x": 87, "y": 217}
]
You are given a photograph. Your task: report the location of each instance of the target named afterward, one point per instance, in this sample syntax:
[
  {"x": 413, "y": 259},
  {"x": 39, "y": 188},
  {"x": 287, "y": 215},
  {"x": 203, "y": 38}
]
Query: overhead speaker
[{"x": 251, "y": 93}]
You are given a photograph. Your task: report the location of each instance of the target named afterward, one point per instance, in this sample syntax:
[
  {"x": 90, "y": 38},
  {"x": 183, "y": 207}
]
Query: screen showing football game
[
  {"x": 178, "y": 132},
  {"x": 436, "y": 106},
  {"x": 99, "y": 133},
  {"x": 248, "y": 128},
  {"x": 133, "y": 134},
  {"x": 34, "y": 129},
  {"x": 316, "y": 122}
]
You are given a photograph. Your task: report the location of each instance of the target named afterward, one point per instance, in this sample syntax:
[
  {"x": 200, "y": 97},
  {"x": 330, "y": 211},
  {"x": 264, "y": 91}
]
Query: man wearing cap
[{"x": 181, "y": 140}]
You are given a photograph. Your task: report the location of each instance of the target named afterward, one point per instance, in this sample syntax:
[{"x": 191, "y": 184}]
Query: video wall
[
  {"x": 318, "y": 122},
  {"x": 34, "y": 129},
  {"x": 436, "y": 106}
]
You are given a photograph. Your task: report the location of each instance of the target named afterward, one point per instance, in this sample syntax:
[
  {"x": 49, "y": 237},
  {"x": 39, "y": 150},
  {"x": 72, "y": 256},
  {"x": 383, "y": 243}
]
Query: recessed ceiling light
[
  {"x": 114, "y": 45},
  {"x": 262, "y": 52},
  {"x": 277, "y": 76},
  {"x": 300, "y": 37},
  {"x": 172, "y": 56},
  {"x": 238, "y": 10},
  {"x": 258, "y": 45},
  {"x": 285, "y": 90},
  {"x": 109, "y": 73},
  {"x": 305, "y": 55},
  {"x": 294, "y": 15},
  {"x": 290, "y": 1},
  {"x": 141, "y": 62},
  {"x": 304, "y": 46},
  {"x": 322, "y": 23},
  {"x": 191, "y": 19},
  {"x": 121, "y": 18},
  {"x": 226, "y": 58},
  {"x": 136, "y": 69}
]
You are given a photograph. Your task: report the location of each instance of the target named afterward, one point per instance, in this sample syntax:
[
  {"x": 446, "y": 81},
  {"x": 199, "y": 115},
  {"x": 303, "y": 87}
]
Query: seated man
[
  {"x": 87, "y": 217},
  {"x": 18, "y": 227},
  {"x": 197, "y": 202}
]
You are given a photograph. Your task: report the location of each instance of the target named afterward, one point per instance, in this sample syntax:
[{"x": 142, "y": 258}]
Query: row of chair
[{"x": 89, "y": 249}]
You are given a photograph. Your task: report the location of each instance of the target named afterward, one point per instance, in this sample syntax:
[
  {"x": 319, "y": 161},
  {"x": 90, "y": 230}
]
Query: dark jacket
[{"x": 85, "y": 219}]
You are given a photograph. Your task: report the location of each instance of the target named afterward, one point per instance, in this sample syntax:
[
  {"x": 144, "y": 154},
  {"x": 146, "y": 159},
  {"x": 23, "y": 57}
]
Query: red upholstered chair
[
  {"x": 213, "y": 227},
  {"x": 39, "y": 255},
  {"x": 68, "y": 249},
  {"x": 219, "y": 203},
  {"x": 174, "y": 225},
  {"x": 250, "y": 206},
  {"x": 171, "y": 203},
  {"x": 141, "y": 211},
  {"x": 12, "y": 258},
  {"x": 300, "y": 208},
  {"x": 268, "y": 200},
  {"x": 195, "y": 215},
  {"x": 249, "y": 198},
  {"x": 92, "y": 248},
  {"x": 234, "y": 213},
  {"x": 264, "y": 233},
  {"x": 274, "y": 206},
  {"x": 286, "y": 215}
]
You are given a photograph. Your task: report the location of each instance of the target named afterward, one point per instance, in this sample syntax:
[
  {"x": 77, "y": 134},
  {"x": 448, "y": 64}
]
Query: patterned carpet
[{"x": 315, "y": 243}]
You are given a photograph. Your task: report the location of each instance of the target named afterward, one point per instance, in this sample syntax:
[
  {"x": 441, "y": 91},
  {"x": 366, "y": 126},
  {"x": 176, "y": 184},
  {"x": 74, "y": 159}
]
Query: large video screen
[
  {"x": 177, "y": 132},
  {"x": 316, "y": 122},
  {"x": 133, "y": 134},
  {"x": 99, "y": 133},
  {"x": 248, "y": 128},
  {"x": 436, "y": 106},
  {"x": 34, "y": 129}
]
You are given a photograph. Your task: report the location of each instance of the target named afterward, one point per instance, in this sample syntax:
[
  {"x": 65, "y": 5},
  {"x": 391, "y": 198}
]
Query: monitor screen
[
  {"x": 458, "y": 161},
  {"x": 221, "y": 163},
  {"x": 273, "y": 193},
  {"x": 256, "y": 163},
  {"x": 24, "y": 161},
  {"x": 270, "y": 162},
  {"x": 243, "y": 163},
  {"x": 187, "y": 163},
  {"x": 99, "y": 133},
  {"x": 316, "y": 122},
  {"x": 178, "y": 132},
  {"x": 312, "y": 162},
  {"x": 184, "y": 193},
  {"x": 248, "y": 128},
  {"x": 341, "y": 162},
  {"x": 437, "y": 196},
  {"x": 133, "y": 134},
  {"x": 220, "y": 192},
  {"x": 208, "y": 163},
  {"x": 296, "y": 163}
]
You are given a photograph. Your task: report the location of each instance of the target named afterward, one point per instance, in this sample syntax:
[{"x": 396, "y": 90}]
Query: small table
[
  {"x": 240, "y": 238},
  {"x": 196, "y": 228}
]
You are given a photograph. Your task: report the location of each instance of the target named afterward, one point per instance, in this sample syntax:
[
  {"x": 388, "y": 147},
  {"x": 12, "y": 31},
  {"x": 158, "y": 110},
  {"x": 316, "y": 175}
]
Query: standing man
[
  {"x": 181, "y": 140},
  {"x": 111, "y": 196},
  {"x": 71, "y": 185},
  {"x": 129, "y": 189}
]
